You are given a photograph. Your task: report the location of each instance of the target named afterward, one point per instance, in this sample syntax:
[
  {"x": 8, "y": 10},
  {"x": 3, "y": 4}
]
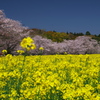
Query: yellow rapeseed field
[{"x": 50, "y": 77}]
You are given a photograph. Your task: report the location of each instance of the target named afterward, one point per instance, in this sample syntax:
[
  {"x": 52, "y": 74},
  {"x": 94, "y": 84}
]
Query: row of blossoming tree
[{"x": 12, "y": 33}]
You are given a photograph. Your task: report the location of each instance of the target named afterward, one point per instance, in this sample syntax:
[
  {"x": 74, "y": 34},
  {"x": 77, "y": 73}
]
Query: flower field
[{"x": 50, "y": 77}]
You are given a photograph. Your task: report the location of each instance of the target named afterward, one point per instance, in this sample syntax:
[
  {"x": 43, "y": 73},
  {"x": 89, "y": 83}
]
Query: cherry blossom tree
[
  {"x": 81, "y": 45},
  {"x": 11, "y": 33}
]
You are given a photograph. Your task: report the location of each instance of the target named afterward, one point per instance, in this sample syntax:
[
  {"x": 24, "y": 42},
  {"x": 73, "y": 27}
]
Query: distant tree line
[{"x": 60, "y": 36}]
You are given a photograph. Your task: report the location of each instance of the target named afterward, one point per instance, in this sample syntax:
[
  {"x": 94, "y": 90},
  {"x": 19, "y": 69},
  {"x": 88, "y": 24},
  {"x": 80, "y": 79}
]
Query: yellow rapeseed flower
[
  {"x": 41, "y": 48},
  {"x": 20, "y": 51},
  {"x": 28, "y": 44},
  {"x": 65, "y": 53},
  {"x": 4, "y": 51},
  {"x": 33, "y": 46}
]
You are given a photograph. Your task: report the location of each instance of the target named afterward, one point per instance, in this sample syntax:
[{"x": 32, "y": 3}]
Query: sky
[{"x": 59, "y": 15}]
